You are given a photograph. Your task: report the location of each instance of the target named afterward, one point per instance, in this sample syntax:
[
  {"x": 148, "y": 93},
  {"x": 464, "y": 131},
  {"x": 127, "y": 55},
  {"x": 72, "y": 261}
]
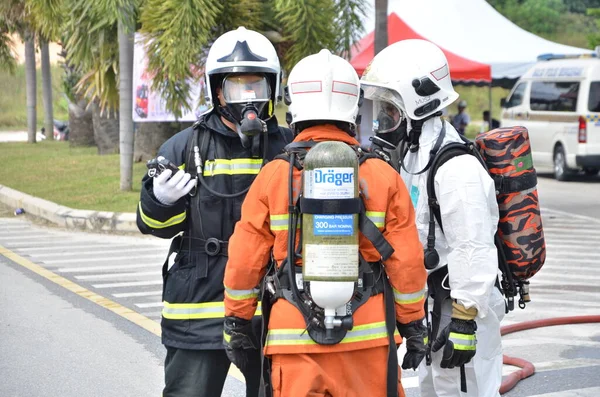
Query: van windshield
[{"x": 594, "y": 100}]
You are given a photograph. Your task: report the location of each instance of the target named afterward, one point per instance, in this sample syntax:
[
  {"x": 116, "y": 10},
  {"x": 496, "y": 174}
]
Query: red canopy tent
[{"x": 462, "y": 70}]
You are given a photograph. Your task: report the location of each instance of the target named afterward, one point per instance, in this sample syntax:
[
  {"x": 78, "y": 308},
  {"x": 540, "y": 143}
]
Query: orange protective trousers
[{"x": 356, "y": 373}]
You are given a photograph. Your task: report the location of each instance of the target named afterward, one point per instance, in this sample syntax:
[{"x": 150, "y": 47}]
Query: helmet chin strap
[{"x": 411, "y": 142}]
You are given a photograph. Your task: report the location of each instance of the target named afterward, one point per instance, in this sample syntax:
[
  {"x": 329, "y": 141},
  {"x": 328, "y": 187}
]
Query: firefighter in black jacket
[{"x": 218, "y": 157}]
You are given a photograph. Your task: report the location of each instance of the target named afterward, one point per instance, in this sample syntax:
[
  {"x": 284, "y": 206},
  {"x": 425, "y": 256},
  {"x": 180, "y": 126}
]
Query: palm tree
[
  {"x": 46, "y": 18},
  {"x": 47, "y": 89},
  {"x": 31, "y": 86},
  {"x": 381, "y": 28},
  {"x": 126, "y": 29},
  {"x": 15, "y": 18}
]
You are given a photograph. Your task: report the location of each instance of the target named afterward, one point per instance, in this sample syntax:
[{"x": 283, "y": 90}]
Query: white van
[{"x": 558, "y": 101}]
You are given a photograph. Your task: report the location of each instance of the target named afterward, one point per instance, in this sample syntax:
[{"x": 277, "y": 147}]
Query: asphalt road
[
  {"x": 59, "y": 337},
  {"x": 580, "y": 196}
]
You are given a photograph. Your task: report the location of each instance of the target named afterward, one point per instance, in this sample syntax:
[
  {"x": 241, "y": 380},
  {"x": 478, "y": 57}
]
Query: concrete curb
[{"x": 69, "y": 218}]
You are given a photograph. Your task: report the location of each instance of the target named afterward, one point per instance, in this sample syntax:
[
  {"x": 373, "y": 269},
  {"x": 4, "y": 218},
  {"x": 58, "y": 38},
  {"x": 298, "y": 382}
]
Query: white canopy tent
[{"x": 474, "y": 30}]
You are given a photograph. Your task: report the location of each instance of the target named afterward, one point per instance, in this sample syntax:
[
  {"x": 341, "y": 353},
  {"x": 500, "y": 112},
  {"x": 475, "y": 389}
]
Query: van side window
[
  {"x": 594, "y": 101},
  {"x": 553, "y": 96},
  {"x": 517, "y": 96}
]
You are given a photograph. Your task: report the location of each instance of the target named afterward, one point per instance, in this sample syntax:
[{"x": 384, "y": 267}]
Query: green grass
[
  {"x": 74, "y": 177},
  {"x": 478, "y": 100},
  {"x": 13, "y": 110}
]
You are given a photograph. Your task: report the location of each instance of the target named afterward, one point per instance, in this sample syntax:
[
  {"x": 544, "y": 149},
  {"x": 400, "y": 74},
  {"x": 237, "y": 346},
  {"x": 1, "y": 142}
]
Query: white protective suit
[{"x": 469, "y": 214}]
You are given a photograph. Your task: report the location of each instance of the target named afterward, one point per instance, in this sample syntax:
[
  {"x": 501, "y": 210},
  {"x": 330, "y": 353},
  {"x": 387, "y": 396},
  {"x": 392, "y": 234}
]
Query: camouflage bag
[{"x": 506, "y": 155}]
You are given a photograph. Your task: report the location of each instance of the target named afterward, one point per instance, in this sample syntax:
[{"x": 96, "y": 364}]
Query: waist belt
[{"x": 211, "y": 246}]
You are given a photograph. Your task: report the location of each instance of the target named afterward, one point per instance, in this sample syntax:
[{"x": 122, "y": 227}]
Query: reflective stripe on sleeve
[
  {"x": 195, "y": 311},
  {"x": 240, "y": 294},
  {"x": 406, "y": 299},
  {"x": 153, "y": 223},
  {"x": 378, "y": 218},
  {"x": 279, "y": 222}
]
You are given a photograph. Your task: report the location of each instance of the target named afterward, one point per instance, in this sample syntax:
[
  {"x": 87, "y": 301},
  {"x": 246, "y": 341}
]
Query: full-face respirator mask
[{"x": 246, "y": 96}]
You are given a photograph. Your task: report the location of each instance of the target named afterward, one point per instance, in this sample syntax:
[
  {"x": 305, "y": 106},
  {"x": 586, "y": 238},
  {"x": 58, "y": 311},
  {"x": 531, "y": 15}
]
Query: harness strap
[
  {"x": 432, "y": 153},
  {"x": 513, "y": 184},
  {"x": 390, "y": 324},
  {"x": 266, "y": 305},
  {"x": 338, "y": 206},
  {"x": 373, "y": 234}
]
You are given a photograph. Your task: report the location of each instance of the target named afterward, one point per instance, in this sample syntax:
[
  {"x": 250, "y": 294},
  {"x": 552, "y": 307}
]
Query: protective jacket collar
[{"x": 326, "y": 132}]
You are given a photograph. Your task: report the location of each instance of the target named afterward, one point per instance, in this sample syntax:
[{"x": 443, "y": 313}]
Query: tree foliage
[
  {"x": 564, "y": 21},
  {"x": 7, "y": 60},
  {"x": 537, "y": 16},
  {"x": 311, "y": 25},
  {"x": 90, "y": 37},
  {"x": 349, "y": 25},
  {"x": 47, "y": 17},
  {"x": 575, "y": 6},
  {"x": 176, "y": 35},
  {"x": 308, "y": 25},
  {"x": 594, "y": 38}
]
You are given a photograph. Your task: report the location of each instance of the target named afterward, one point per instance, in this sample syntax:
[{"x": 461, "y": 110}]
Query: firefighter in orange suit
[{"x": 324, "y": 97}]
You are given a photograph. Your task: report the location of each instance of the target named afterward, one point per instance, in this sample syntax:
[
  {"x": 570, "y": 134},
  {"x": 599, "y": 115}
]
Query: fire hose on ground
[{"x": 527, "y": 368}]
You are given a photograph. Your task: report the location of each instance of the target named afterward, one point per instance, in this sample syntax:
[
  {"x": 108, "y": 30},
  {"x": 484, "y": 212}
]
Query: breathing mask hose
[
  {"x": 199, "y": 171},
  {"x": 527, "y": 368},
  {"x": 291, "y": 256}
]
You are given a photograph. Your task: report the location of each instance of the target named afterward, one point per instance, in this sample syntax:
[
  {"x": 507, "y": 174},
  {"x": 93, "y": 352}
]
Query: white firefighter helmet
[
  {"x": 242, "y": 51},
  {"x": 323, "y": 86},
  {"x": 413, "y": 75}
]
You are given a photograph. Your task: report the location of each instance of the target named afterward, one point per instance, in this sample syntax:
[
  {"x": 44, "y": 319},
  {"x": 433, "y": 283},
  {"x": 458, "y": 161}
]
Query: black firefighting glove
[
  {"x": 240, "y": 341},
  {"x": 458, "y": 337},
  {"x": 415, "y": 337}
]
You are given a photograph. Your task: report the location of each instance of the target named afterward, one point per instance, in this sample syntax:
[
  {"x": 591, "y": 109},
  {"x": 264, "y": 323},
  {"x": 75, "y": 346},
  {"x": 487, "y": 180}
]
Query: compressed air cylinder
[
  {"x": 507, "y": 154},
  {"x": 330, "y": 240}
]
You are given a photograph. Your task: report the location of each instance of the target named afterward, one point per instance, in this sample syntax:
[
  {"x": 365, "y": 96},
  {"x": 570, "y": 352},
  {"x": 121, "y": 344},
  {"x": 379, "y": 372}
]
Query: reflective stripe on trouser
[
  {"x": 232, "y": 167},
  {"x": 299, "y": 336},
  {"x": 153, "y": 223},
  {"x": 194, "y": 311},
  {"x": 406, "y": 299},
  {"x": 280, "y": 222}
]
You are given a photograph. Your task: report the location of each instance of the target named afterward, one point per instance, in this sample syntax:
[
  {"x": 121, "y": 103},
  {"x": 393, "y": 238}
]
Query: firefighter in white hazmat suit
[{"x": 410, "y": 81}]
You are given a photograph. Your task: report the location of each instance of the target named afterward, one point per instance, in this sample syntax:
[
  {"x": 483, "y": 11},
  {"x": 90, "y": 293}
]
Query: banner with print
[{"x": 148, "y": 105}]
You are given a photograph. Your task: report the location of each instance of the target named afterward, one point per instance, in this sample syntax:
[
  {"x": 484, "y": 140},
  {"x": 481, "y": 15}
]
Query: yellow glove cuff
[{"x": 460, "y": 312}]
